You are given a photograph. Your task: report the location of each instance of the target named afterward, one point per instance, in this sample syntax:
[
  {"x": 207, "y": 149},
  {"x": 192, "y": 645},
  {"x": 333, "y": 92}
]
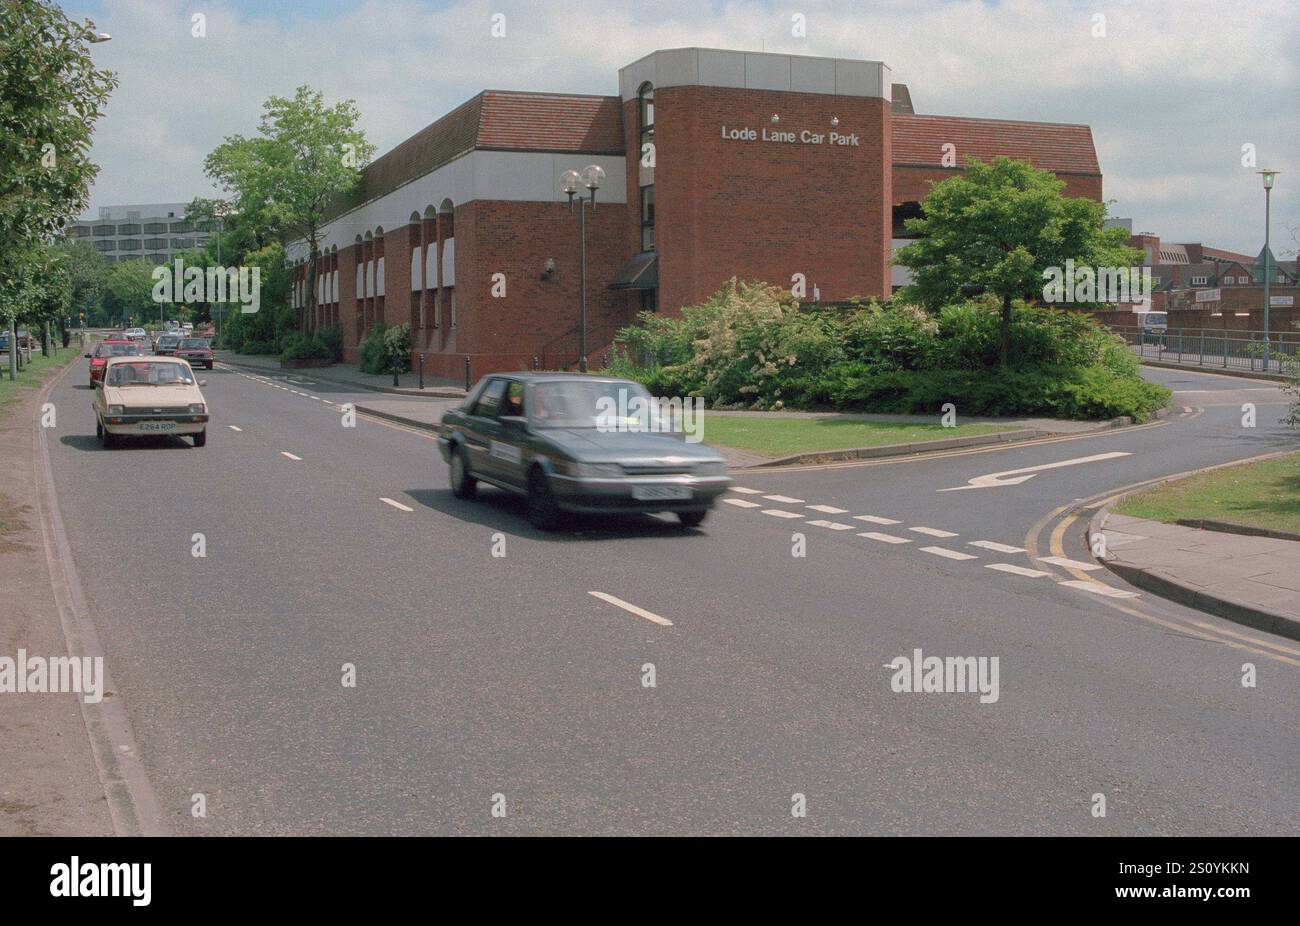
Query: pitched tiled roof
[
  {"x": 1058, "y": 147},
  {"x": 494, "y": 120}
]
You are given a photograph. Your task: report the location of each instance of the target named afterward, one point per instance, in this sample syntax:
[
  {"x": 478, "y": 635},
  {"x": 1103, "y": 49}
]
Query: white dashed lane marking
[
  {"x": 743, "y": 491},
  {"x": 883, "y": 538},
  {"x": 398, "y": 505},
  {"x": 778, "y": 513},
  {"x": 233, "y": 428},
  {"x": 1097, "y": 588},
  {"x": 950, "y": 554},
  {"x": 1069, "y": 563},
  {"x": 828, "y": 509},
  {"x": 632, "y": 609},
  {"x": 740, "y": 503},
  {"x": 932, "y": 531},
  {"x": 996, "y": 547},
  {"x": 873, "y": 519},
  {"x": 285, "y": 453},
  {"x": 833, "y": 525},
  {"x": 1018, "y": 570},
  {"x": 785, "y": 499}
]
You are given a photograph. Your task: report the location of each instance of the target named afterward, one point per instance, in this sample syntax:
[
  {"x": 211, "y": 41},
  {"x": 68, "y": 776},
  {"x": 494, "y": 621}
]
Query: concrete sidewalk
[
  {"x": 346, "y": 374},
  {"x": 1250, "y": 580}
]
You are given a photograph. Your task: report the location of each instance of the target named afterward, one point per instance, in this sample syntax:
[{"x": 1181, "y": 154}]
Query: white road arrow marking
[{"x": 1000, "y": 479}]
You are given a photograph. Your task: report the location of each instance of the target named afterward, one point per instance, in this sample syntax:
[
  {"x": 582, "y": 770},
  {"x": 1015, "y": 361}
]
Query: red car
[
  {"x": 111, "y": 347},
  {"x": 198, "y": 351}
]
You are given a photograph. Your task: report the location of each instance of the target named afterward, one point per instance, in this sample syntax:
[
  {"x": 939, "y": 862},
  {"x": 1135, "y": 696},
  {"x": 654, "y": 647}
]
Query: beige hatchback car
[{"x": 150, "y": 396}]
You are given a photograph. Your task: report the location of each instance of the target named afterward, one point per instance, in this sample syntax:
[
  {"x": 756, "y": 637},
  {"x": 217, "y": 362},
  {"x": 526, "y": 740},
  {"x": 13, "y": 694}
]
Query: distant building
[{"x": 152, "y": 232}]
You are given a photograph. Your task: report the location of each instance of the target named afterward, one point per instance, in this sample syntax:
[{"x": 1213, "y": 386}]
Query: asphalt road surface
[{"x": 489, "y": 681}]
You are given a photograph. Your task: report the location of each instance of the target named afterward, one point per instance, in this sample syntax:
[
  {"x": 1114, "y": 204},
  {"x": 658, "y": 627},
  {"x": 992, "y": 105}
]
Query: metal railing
[{"x": 1224, "y": 348}]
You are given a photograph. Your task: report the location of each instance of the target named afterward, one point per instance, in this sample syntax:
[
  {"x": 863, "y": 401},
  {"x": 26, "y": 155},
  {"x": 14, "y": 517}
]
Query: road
[{"x": 481, "y": 675}]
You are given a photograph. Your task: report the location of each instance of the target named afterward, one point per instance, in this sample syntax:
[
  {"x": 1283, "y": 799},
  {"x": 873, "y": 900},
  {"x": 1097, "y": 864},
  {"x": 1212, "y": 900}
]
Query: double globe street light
[{"x": 570, "y": 182}]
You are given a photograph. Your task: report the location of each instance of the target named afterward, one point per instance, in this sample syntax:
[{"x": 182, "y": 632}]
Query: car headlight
[
  {"x": 592, "y": 470},
  {"x": 117, "y": 410},
  {"x": 198, "y": 408},
  {"x": 716, "y": 468}
]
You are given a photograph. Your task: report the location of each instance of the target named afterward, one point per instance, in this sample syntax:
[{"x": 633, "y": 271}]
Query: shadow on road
[
  {"x": 90, "y": 442},
  {"x": 507, "y": 513}
]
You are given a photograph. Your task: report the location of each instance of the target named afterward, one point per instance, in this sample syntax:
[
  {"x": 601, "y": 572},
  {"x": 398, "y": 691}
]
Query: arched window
[
  {"x": 645, "y": 170},
  {"x": 645, "y": 96}
]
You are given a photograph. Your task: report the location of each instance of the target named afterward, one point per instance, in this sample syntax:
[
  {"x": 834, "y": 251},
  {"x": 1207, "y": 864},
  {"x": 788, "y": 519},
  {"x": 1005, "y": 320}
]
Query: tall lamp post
[
  {"x": 570, "y": 180},
  {"x": 1268, "y": 176}
]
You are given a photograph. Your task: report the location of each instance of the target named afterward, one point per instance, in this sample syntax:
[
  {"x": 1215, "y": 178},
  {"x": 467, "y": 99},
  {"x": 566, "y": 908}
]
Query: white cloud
[{"x": 1172, "y": 91}]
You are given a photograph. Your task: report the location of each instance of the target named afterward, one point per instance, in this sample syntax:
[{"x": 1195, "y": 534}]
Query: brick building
[{"x": 717, "y": 164}]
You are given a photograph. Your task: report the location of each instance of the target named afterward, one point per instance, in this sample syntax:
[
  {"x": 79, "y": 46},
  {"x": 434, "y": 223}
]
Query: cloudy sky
[{"x": 1172, "y": 90}]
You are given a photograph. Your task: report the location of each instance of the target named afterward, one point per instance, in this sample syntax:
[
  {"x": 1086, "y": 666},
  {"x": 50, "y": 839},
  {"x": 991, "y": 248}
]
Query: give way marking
[{"x": 1015, "y": 478}]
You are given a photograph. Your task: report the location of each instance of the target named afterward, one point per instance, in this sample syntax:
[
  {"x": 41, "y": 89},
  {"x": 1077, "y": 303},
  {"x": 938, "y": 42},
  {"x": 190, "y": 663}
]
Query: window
[
  {"x": 128, "y": 245},
  {"x": 182, "y": 228},
  {"x": 156, "y": 228},
  {"x": 513, "y": 407},
  {"x": 649, "y": 300},
  {"x": 128, "y": 229},
  {"x": 646, "y": 111},
  {"x": 1243, "y": 280},
  {"x": 1200, "y": 281},
  {"x": 80, "y": 231},
  {"x": 155, "y": 244},
  {"x": 105, "y": 246},
  {"x": 105, "y": 231},
  {"x": 490, "y": 399},
  {"x": 648, "y": 218},
  {"x": 451, "y": 294}
]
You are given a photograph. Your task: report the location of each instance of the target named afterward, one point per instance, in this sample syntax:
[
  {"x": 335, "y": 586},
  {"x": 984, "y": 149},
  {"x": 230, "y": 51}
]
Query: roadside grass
[
  {"x": 1264, "y": 494},
  {"x": 32, "y": 375},
  {"x": 785, "y": 436}
]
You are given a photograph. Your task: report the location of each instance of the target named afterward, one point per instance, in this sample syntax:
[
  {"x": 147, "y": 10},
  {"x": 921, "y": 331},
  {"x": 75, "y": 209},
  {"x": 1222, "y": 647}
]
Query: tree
[
  {"x": 128, "y": 292},
  {"x": 306, "y": 155},
  {"x": 996, "y": 229},
  {"x": 51, "y": 95},
  {"x": 88, "y": 270}
]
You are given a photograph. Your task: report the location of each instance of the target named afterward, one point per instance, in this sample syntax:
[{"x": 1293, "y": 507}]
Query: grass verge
[
  {"x": 31, "y": 376},
  {"x": 1264, "y": 494},
  {"x": 781, "y": 437}
]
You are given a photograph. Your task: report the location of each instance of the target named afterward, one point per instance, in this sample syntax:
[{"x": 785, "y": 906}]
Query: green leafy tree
[
  {"x": 995, "y": 230},
  {"x": 285, "y": 179},
  {"x": 88, "y": 272},
  {"x": 51, "y": 95},
  {"x": 128, "y": 292}
]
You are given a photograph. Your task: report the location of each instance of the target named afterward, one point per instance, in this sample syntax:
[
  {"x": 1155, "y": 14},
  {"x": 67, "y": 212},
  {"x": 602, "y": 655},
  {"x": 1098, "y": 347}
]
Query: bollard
[
  {"x": 535, "y": 365},
  {"x": 421, "y": 370},
  {"x": 397, "y": 365},
  {"x": 467, "y": 382}
]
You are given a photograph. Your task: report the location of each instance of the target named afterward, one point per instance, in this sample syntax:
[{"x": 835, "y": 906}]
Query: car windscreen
[
  {"x": 193, "y": 344},
  {"x": 169, "y": 340},
  {"x": 148, "y": 373},
  {"x": 581, "y": 403},
  {"x": 117, "y": 350}
]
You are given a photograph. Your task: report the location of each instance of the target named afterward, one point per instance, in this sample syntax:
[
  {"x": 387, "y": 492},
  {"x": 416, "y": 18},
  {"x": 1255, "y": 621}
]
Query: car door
[
  {"x": 480, "y": 427},
  {"x": 506, "y": 451}
]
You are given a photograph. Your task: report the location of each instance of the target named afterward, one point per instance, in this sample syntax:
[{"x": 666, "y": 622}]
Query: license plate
[
  {"x": 661, "y": 493},
  {"x": 158, "y": 426}
]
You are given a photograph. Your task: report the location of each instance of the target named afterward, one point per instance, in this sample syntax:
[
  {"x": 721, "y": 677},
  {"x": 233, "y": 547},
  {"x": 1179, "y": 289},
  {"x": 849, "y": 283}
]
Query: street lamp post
[
  {"x": 1268, "y": 176},
  {"x": 570, "y": 180}
]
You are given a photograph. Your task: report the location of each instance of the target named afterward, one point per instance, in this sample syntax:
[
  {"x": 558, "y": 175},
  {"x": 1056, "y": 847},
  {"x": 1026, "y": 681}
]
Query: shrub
[
  {"x": 250, "y": 346},
  {"x": 385, "y": 346}
]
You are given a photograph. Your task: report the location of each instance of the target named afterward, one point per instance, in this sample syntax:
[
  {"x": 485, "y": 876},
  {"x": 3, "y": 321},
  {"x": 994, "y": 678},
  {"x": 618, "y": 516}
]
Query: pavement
[
  {"x": 527, "y": 674},
  {"x": 348, "y": 374},
  {"x": 1253, "y": 580}
]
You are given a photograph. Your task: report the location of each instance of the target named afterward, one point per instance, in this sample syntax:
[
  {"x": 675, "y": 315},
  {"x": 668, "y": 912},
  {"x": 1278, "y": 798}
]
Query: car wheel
[
  {"x": 543, "y": 513},
  {"x": 463, "y": 485},
  {"x": 201, "y": 438},
  {"x": 692, "y": 518}
]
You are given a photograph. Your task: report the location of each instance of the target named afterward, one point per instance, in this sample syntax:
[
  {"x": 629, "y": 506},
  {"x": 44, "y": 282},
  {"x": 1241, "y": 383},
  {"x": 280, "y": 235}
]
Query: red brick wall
[
  {"x": 761, "y": 210},
  {"x": 536, "y": 317},
  {"x": 911, "y": 184}
]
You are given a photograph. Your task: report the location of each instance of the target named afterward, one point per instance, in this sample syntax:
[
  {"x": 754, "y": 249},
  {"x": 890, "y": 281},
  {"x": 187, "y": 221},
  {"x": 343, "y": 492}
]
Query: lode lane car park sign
[{"x": 779, "y": 136}]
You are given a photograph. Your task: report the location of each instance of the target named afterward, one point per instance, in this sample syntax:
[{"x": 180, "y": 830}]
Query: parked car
[
  {"x": 145, "y": 396},
  {"x": 543, "y": 436},
  {"x": 112, "y": 347},
  {"x": 166, "y": 344},
  {"x": 197, "y": 351}
]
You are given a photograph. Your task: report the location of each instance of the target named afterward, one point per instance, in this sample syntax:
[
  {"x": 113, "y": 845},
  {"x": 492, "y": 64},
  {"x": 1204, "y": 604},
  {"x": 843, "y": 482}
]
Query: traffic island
[{"x": 1246, "y": 570}]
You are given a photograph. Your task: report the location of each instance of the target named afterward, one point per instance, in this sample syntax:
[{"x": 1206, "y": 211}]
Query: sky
[{"x": 1173, "y": 89}]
